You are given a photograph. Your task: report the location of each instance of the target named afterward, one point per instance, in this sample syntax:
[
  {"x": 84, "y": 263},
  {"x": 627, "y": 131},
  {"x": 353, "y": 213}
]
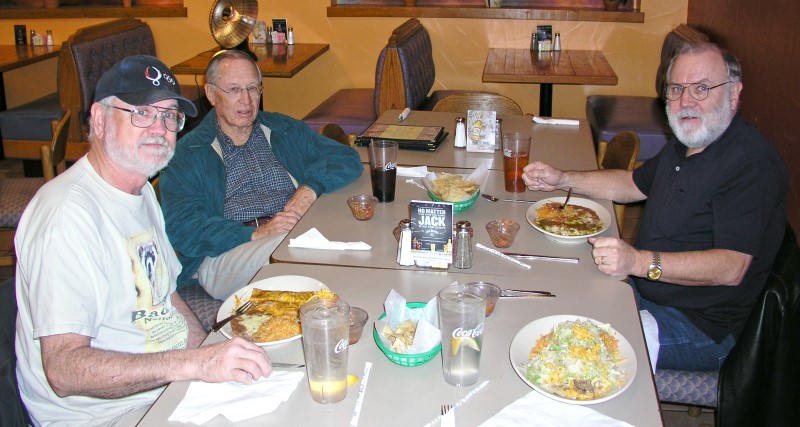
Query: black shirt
[{"x": 732, "y": 196}]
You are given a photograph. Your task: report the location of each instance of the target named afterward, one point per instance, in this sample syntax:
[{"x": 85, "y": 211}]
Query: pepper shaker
[
  {"x": 462, "y": 254},
  {"x": 533, "y": 42},
  {"x": 460, "y": 140},
  {"x": 404, "y": 243}
]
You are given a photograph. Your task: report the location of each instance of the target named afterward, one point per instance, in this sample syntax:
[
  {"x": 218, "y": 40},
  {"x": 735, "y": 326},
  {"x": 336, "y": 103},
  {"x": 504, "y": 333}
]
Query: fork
[
  {"x": 448, "y": 416},
  {"x": 239, "y": 311}
]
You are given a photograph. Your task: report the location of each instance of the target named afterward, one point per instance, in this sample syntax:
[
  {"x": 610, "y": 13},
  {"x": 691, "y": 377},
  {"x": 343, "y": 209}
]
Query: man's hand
[
  {"x": 541, "y": 177},
  {"x": 615, "y": 257},
  {"x": 284, "y": 221},
  {"x": 233, "y": 360}
]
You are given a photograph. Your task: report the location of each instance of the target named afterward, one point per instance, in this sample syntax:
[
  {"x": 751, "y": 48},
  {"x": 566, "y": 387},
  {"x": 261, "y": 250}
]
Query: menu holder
[
  {"x": 481, "y": 131},
  {"x": 407, "y": 137},
  {"x": 432, "y": 234}
]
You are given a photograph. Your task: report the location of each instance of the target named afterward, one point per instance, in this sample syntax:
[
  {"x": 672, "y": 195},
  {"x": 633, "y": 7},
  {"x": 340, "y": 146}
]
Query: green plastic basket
[
  {"x": 458, "y": 207},
  {"x": 403, "y": 359}
]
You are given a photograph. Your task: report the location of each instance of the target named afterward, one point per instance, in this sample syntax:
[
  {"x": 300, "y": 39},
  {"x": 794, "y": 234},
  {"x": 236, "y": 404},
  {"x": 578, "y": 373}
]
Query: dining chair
[
  {"x": 760, "y": 379},
  {"x": 336, "y": 133},
  {"x": 15, "y": 193},
  {"x": 461, "y": 102},
  {"x": 620, "y": 153}
]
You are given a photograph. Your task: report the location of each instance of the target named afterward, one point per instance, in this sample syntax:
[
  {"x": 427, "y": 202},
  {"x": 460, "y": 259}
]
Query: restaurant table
[
  {"x": 574, "y": 67},
  {"x": 13, "y": 57},
  {"x": 560, "y": 146},
  {"x": 274, "y": 60},
  {"x": 331, "y": 216},
  {"x": 412, "y": 396}
]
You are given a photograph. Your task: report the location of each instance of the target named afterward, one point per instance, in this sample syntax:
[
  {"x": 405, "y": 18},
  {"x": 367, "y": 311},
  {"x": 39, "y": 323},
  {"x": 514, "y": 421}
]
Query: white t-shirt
[{"x": 94, "y": 261}]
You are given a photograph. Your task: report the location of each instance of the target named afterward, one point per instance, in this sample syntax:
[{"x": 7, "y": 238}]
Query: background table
[
  {"x": 274, "y": 60},
  {"x": 576, "y": 67},
  {"x": 331, "y": 216},
  {"x": 561, "y": 146},
  {"x": 401, "y": 396}
]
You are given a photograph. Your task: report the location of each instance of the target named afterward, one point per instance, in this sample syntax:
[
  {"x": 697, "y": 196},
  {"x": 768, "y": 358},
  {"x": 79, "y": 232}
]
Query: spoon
[{"x": 569, "y": 194}]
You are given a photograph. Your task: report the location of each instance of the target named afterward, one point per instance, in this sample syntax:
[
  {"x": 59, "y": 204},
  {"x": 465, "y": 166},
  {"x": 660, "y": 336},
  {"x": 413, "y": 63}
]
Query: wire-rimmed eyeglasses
[
  {"x": 146, "y": 115},
  {"x": 698, "y": 91},
  {"x": 236, "y": 92}
]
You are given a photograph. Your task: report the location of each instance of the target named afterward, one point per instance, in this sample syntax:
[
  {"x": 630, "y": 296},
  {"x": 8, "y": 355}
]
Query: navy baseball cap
[{"x": 142, "y": 80}]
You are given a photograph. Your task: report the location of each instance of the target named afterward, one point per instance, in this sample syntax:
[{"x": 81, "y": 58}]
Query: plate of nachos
[
  {"x": 573, "y": 359},
  {"x": 274, "y": 317}
]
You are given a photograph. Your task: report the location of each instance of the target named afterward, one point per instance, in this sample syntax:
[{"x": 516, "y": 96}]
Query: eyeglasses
[
  {"x": 698, "y": 91},
  {"x": 236, "y": 92},
  {"x": 145, "y": 116}
]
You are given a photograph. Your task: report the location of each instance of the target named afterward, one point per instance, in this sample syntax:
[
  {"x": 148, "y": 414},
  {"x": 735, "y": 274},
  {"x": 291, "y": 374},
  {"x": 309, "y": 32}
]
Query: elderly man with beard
[
  {"x": 101, "y": 329},
  {"x": 714, "y": 217}
]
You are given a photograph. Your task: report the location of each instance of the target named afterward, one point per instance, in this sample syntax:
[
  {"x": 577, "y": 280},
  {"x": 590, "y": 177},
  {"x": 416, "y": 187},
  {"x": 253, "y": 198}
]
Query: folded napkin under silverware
[{"x": 542, "y": 257}]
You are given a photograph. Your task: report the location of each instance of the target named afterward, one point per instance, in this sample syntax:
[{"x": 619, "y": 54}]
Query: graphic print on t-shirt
[{"x": 164, "y": 327}]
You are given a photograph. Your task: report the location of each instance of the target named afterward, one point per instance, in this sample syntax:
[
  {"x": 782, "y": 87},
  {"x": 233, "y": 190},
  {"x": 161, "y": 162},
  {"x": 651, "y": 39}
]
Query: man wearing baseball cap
[{"x": 101, "y": 329}]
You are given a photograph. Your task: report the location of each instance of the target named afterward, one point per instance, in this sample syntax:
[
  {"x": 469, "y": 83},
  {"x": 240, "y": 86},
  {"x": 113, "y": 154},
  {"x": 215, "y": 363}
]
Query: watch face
[{"x": 654, "y": 273}]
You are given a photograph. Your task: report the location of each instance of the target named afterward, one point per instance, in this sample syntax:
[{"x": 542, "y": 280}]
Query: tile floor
[{"x": 673, "y": 415}]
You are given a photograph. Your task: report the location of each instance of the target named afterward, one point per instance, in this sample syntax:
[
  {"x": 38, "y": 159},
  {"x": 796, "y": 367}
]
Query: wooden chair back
[
  {"x": 335, "y": 132},
  {"x": 461, "y": 102},
  {"x": 54, "y": 155},
  {"x": 620, "y": 153}
]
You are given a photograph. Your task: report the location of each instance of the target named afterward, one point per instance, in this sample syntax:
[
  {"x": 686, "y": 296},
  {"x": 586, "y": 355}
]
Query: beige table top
[
  {"x": 402, "y": 396},
  {"x": 561, "y": 146},
  {"x": 331, "y": 216}
]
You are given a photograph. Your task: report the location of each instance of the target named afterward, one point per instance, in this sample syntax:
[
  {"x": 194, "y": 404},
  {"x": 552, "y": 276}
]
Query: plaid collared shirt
[{"x": 256, "y": 184}]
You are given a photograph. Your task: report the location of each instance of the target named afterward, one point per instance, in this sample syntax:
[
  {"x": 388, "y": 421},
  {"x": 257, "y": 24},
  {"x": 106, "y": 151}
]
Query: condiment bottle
[
  {"x": 557, "y": 42},
  {"x": 462, "y": 254},
  {"x": 460, "y": 140},
  {"x": 404, "y": 243},
  {"x": 269, "y": 35},
  {"x": 290, "y": 36},
  {"x": 49, "y": 37},
  {"x": 533, "y": 42},
  {"x": 498, "y": 134}
]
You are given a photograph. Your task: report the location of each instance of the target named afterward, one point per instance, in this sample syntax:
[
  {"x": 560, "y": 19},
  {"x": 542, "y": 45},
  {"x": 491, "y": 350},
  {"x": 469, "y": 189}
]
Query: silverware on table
[
  {"x": 542, "y": 257},
  {"x": 516, "y": 293},
  {"x": 497, "y": 199},
  {"x": 287, "y": 365},
  {"x": 569, "y": 194},
  {"x": 448, "y": 416},
  {"x": 239, "y": 311}
]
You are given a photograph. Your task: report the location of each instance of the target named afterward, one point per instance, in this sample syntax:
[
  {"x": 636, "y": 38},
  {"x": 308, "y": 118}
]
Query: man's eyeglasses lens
[
  {"x": 698, "y": 91},
  {"x": 145, "y": 116},
  {"x": 236, "y": 92}
]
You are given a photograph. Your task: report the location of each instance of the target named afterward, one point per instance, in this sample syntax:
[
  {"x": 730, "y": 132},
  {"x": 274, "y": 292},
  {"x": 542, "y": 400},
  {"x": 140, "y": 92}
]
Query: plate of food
[
  {"x": 580, "y": 219},
  {"x": 573, "y": 359},
  {"x": 274, "y": 317}
]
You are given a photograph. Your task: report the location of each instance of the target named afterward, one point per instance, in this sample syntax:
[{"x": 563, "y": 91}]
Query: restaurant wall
[
  {"x": 767, "y": 42},
  {"x": 460, "y": 47}
]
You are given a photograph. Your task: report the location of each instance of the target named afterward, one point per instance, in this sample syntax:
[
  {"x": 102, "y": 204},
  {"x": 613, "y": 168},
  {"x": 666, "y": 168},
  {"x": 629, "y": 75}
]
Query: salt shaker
[
  {"x": 290, "y": 36},
  {"x": 404, "y": 243},
  {"x": 460, "y": 140},
  {"x": 49, "y": 37},
  {"x": 557, "y": 42},
  {"x": 498, "y": 134},
  {"x": 462, "y": 254}
]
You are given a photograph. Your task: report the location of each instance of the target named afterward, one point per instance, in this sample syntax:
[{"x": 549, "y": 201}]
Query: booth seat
[
  {"x": 404, "y": 76},
  {"x": 644, "y": 115},
  {"x": 83, "y": 58}
]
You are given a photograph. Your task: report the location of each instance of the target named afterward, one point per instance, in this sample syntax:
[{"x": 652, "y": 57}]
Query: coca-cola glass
[
  {"x": 462, "y": 311},
  {"x": 326, "y": 325},
  {"x": 383, "y": 168}
]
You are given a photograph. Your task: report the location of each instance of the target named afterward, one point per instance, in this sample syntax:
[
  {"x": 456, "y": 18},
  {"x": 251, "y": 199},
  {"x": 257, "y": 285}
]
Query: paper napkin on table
[
  {"x": 535, "y": 410},
  {"x": 549, "y": 121},
  {"x": 412, "y": 171},
  {"x": 235, "y": 401},
  {"x": 313, "y": 239}
]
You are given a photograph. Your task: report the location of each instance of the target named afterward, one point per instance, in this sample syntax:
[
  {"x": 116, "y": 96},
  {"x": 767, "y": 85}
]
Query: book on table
[{"x": 406, "y": 136}]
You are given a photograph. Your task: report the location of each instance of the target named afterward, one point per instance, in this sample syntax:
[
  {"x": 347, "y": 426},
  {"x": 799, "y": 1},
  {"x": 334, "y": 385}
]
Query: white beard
[
  {"x": 712, "y": 126},
  {"x": 131, "y": 160}
]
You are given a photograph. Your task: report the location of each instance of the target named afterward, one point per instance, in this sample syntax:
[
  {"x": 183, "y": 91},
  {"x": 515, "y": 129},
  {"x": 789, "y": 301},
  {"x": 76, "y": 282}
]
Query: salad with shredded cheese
[{"x": 577, "y": 360}]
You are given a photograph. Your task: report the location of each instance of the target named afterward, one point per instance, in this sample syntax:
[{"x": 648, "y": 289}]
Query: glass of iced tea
[{"x": 516, "y": 150}]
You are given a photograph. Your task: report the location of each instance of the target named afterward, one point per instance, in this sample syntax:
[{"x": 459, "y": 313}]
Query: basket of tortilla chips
[
  {"x": 460, "y": 190},
  {"x": 401, "y": 340}
]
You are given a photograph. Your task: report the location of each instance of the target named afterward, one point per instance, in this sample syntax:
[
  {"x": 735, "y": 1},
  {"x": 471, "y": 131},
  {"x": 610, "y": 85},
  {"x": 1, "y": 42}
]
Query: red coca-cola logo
[
  {"x": 471, "y": 333},
  {"x": 341, "y": 345}
]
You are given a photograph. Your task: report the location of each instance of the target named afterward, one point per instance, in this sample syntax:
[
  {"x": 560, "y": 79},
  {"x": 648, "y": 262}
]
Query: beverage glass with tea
[
  {"x": 516, "y": 150},
  {"x": 383, "y": 169}
]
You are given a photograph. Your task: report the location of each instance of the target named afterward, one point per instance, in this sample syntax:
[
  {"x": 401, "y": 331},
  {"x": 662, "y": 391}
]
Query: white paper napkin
[
  {"x": 412, "y": 171},
  {"x": 235, "y": 401},
  {"x": 535, "y": 410},
  {"x": 313, "y": 239},
  {"x": 650, "y": 337},
  {"x": 549, "y": 121}
]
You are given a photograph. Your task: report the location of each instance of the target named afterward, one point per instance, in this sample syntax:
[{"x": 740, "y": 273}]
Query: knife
[
  {"x": 515, "y": 293},
  {"x": 287, "y": 365},
  {"x": 542, "y": 257}
]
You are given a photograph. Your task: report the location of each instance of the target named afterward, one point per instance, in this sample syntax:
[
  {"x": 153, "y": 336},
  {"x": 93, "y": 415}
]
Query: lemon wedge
[
  {"x": 457, "y": 343},
  {"x": 352, "y": 379}
]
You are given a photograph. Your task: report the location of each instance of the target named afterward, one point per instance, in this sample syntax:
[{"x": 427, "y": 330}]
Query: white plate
[
  {"x": 527, "y": 336},
  {"x": 602, "y": 213},
  {"x": 277, "y": 283}
]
